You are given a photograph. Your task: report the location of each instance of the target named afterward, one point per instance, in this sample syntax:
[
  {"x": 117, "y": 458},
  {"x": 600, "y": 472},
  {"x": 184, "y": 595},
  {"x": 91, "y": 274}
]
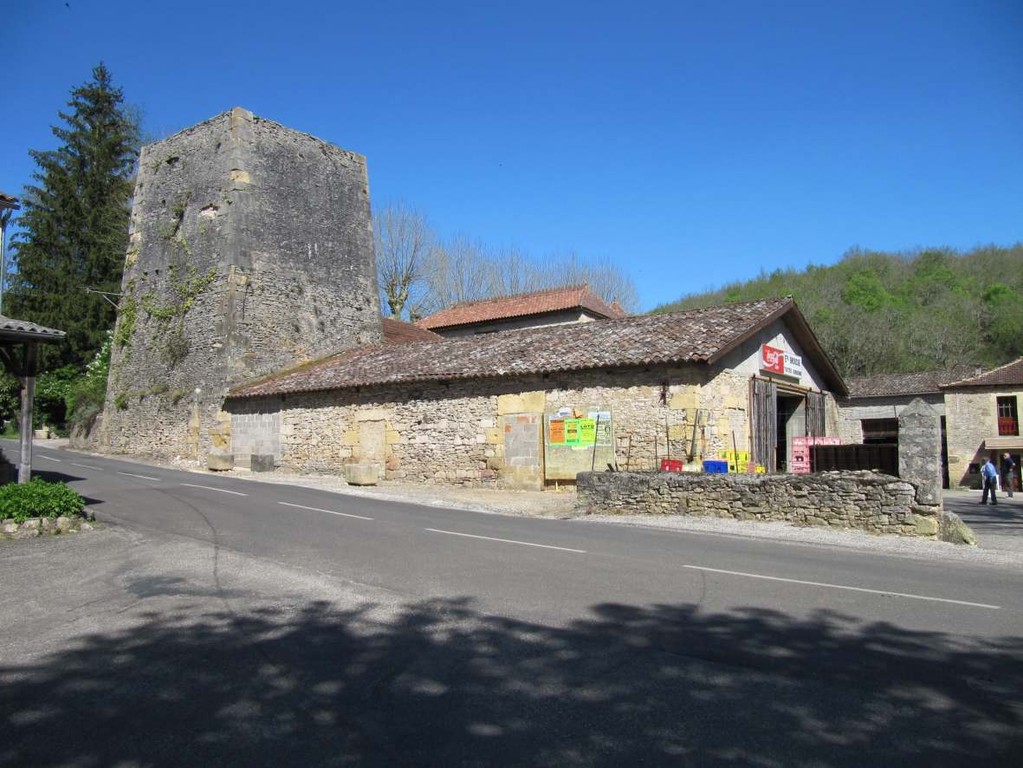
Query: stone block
[
  {"x": 524, "y": 402},
  {"x": 219, "y": 462},
  {"x": 261, "y": 462},
  {"x": 362, "y": 473}
]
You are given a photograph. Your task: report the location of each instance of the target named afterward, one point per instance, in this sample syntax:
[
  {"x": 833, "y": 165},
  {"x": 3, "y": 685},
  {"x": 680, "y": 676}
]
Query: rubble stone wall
[
  {"x": 250, "y": 250},
  {"x": 865, "y": 501}
]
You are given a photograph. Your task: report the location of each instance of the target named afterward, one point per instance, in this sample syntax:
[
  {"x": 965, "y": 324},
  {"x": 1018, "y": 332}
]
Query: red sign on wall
[{"x": 772, "y": 359}]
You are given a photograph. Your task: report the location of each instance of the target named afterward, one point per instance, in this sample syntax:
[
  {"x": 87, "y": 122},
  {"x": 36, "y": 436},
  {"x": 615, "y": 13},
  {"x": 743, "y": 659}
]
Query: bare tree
[
  {"x": 403, "y": 242},
  {"x": 604, "y": 278},
  {"x": 460, "y": 270},
  {"x": 418, "y": 274}
]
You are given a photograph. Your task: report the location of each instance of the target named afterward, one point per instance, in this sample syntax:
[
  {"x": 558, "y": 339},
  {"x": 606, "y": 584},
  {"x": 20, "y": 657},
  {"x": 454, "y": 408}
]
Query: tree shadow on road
[{"x": 442, "y": 684}]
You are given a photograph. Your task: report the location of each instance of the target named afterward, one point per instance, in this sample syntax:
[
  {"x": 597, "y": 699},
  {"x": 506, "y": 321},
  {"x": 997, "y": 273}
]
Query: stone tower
[{"x": 251, "y": 250}]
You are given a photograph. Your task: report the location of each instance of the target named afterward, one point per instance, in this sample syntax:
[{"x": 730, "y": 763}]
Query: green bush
[{"x": 38, "y": 498}]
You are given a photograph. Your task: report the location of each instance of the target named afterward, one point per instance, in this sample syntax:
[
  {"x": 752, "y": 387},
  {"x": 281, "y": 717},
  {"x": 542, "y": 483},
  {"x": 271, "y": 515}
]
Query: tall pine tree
[{"x": 74, "y": 225}]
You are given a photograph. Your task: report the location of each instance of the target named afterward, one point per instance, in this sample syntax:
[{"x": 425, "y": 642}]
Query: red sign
[{"x": 772, "y": 359}]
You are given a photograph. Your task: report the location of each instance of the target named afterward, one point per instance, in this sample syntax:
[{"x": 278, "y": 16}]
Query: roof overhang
[{"x": 1003, "y": 442}]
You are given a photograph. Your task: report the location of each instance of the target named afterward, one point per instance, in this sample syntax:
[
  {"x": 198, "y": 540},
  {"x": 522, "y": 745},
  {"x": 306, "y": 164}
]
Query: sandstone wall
[
  {"x": 250, "y": 250},
  {"x": 455, "y": 431},
  {"x": 971, "y": 416},
  {"x": 864, "y": 501}
]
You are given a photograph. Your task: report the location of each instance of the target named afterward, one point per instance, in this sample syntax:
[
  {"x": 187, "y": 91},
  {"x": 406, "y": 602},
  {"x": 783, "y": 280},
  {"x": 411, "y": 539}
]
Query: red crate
[{"x": 671, "y": 465}]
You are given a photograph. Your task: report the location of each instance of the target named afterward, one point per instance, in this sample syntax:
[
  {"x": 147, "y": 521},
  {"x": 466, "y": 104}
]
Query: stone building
[
  {"x": 555, "y": 306},
  {"x": 982, "y": 417},
  {"x": 250, "y": 250},
  {"x": 532, "y": 407},
  {"x": 870, "y": 413}
]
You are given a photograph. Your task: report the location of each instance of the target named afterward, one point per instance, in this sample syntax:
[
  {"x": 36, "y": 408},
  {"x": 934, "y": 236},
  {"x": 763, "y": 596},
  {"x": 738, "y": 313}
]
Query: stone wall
[
  {"x": 971, "y": 416},
  {"x": 455, "y": 431},
  {"x": 250, "y": 250},
  {"x": 865, "y": 501}
]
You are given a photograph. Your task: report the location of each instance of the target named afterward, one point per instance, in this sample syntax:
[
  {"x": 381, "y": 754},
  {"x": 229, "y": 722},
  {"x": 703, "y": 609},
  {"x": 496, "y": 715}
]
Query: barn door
[
  {"x": 765, "y": 423},
  {"x": 815, "y": 414}
]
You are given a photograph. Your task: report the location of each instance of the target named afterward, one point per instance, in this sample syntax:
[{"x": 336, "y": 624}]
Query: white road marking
[
  {"x": 87, "y": 466},
  {"x": 50, "y": 458},
  {"x": 850, "y": 589},
  {"x": 507, "y": 541},
  {"x": 144, "y": 477},
  {"x": 218, "y": 490},
  {"x": 325, "y": 511}
]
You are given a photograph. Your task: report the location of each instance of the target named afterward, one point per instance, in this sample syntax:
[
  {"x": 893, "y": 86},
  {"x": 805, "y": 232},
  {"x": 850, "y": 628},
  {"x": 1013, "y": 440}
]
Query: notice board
[{"x": 577, "y": 439}]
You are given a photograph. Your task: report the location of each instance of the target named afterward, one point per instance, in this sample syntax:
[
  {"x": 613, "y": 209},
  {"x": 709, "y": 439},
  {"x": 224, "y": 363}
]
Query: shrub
[{"x": 38, "y": 498}]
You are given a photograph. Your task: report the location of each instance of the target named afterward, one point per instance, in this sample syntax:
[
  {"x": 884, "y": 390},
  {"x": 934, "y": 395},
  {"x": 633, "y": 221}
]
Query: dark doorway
[{"x": 790, "y": 411}]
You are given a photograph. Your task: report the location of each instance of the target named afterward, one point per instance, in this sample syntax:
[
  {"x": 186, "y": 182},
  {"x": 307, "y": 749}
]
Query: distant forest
[{"x": 927, "y": 310}]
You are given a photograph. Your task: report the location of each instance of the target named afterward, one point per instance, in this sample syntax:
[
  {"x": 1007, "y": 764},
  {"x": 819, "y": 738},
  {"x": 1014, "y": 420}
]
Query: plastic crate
[
  {"x": 672, "y": 465},
  {"x": 716, "y": 467}
]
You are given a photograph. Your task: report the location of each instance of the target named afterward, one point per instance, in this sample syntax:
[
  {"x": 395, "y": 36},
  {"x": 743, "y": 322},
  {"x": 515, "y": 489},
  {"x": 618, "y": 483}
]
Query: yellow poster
[
  {"x": 571, "y": 431},
  {"x": 587, "y": 431}
]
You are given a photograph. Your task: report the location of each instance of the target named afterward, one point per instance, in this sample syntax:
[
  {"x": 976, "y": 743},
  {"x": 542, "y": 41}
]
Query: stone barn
[{"x": 533, "y": 407}]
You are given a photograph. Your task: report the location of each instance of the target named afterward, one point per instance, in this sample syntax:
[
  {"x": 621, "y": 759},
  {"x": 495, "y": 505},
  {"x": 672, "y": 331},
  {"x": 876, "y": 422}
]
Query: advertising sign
[{"x": 774, "y": 360}]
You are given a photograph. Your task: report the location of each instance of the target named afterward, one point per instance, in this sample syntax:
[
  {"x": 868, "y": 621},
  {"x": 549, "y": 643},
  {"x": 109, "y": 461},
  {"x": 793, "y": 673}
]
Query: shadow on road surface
[{"x": 444, "y": 685}]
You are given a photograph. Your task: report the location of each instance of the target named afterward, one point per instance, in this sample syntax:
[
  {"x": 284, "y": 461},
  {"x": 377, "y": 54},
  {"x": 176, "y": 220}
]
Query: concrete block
[
  {"x": 220, "y": 462},
  {"x": 362, "y": 473},
  {"x": 261, "y": 462}
]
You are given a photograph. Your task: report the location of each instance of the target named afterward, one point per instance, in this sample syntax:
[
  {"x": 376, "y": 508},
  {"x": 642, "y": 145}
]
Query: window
[
  {"x": 880, "y": 431},
  {"x": 1008, "y": 421}
]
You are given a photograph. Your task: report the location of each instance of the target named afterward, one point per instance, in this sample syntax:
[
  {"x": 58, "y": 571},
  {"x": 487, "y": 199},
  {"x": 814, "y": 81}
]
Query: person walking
[
  {"x": 990, "y": 477},
  {"x": 1008, "y": 474}
]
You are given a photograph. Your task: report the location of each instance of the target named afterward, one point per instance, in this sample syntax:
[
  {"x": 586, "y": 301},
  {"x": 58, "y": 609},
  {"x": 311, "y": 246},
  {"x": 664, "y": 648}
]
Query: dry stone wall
[
  {"x": 250, "y": 250},
  {"x": 865, "y": 501}
]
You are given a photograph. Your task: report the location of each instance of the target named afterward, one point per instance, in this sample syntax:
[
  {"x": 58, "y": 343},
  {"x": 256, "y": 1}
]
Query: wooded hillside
[{"x": 875, "y": 312}]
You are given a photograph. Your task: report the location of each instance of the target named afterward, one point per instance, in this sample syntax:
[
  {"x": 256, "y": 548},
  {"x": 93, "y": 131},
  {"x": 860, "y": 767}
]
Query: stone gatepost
[{"x": 920, "y": 451}]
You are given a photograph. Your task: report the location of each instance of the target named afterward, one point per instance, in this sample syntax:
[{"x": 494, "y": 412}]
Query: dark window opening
[{"x": 876, "y": 431}]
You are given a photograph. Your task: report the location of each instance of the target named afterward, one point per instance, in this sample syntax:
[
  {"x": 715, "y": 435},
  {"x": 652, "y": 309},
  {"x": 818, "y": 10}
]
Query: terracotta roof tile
[
  {"x": 399, "y": 332},
  {"x": 523, "y": 305},
  {"x": 1008, "y": 375},
  {"x": 896, "y": 384},
  {"x": 694, "y": 336}
]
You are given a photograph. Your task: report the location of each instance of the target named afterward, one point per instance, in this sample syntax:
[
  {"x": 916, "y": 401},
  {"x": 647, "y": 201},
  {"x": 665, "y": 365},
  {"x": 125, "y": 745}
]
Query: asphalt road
[{"x": 217, "y": 621}]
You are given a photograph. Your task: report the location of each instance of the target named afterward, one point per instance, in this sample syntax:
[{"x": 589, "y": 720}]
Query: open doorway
[{"x": 791, "y": 422}]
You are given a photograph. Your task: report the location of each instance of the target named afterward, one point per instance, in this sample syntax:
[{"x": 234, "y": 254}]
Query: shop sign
[{"x": 774, "y": 360}]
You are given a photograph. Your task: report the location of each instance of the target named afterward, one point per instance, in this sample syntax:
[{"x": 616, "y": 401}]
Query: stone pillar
[{"x": 920, "y": 451}]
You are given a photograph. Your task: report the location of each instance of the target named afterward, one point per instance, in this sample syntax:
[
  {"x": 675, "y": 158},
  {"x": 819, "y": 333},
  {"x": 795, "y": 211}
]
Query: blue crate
[{"x": 716, "y": 467}]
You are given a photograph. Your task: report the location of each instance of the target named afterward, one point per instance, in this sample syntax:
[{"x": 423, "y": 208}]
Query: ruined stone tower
[{"x": 251, "y": 249}]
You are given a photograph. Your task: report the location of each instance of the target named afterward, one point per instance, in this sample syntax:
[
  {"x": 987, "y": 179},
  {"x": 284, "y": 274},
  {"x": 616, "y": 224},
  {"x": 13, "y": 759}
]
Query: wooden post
[{"x": 28, "y": 391}]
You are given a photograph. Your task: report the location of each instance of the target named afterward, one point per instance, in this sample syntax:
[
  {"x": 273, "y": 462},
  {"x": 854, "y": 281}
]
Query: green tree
[{"x": 74, "y": 225}]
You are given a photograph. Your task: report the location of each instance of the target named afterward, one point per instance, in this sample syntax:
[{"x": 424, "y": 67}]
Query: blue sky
[{"x": 691, "y": 143}]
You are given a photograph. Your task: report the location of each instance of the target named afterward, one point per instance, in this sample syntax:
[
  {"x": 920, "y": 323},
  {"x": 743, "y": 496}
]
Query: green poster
[{"x": 587, "y": 431}]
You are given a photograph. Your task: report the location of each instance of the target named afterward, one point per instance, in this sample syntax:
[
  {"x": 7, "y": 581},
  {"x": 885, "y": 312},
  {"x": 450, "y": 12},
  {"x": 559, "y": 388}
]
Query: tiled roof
[
  {"x": 896, "y": 384},
  {"x": 1008, "y": 375},
  {"x": 523, "y": 305},
  {"x": 399, "y": 332},
  {"x": 694, "y": 336},
  {"x": 6, "y": 201},
  {"x": 22, "y": 329}
]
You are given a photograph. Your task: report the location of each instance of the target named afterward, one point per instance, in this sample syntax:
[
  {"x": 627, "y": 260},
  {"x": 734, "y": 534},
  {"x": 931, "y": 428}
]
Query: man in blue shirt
[{"x": 990, "y": 476}]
